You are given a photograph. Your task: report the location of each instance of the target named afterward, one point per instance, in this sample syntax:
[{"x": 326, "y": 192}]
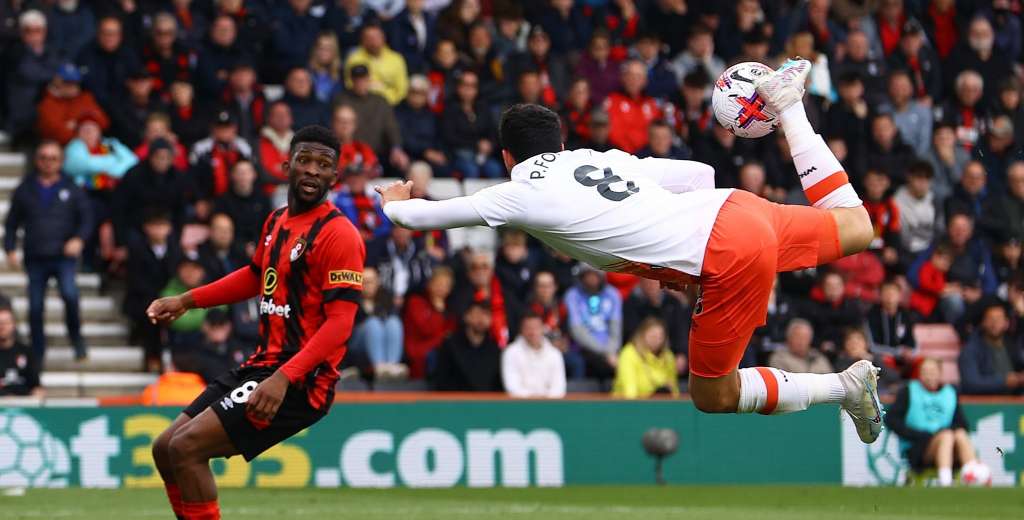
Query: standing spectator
[
  {"x": 661, "y": 143},
  {"x": 971, "y": 194},
  {"x": 595, "y": 322},
  {"x": 29, "y": 65},
  {"x": 418, "y": 125},
  {"x": 966, "y": 110},
  {"x": 798, "y": 356},
  {"x": 598, "y": 68},
  {"x": 377, "y": 125},
  {"x": 355, "y": 155},
  {"x": 305, "y": 108},
  {"x": 912, "y": 118},
  {"x": 426, "y": 320},
  {"x": 646, "y": 365},
  {"x": 387, "y": 71},
  {"x": 55, "y": 216},
  {"x": 379, "y": 331},
  {"x": 630, "y": 111},
  {"x": 294, "y": 31},
  {"x": 212, "y": 159},
  {"x": 107, "y": 61},
  {"x": 468, "y": 132},
  {"x": 218, "y": 55},
  {"x": 64, "y": 104},
  {"x": 920, "y": 62},
  {"x": 484, "y": 287},
  {"x": 648, "y": 300},
  {"x": 977, "y": 53},
  {"x": 469, "y": 360},
  {"x": 990, "y": 361},
  {"x": 531, "y": 366},
  {"x": 947, "y": 160},
  {"x": 153, "y": 183},
  {"x": 412, "y": 34},
  {"x": 997, "y": 151},
  {"x": 275, "y": 141},
  {"x": 700, "y": 52},
  {"x": 247, "y": 206},
  {"x": 931, "y": 425},
  {"x": 918, "y": 209},
  {"x": 166, "y": 58},
  {"x": 19, "y": 367},
  {"x": 325, "y": 67},
  {"x": 151, "y": 263}
]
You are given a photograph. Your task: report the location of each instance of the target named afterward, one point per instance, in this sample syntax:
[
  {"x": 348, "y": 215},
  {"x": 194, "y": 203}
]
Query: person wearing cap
[
  {"x": 29, "y": 65},
  {"x": 389, "y": 76},
  {"x": 595, "y": 322},
  {"x": 998, "y": 150},
  {"x": 64, "y": 104},
  {"x": 377, "y": 124},
  {"x": 918, "y": 208},
  {"x": 418, "y": 125},
  {"x": 212, "y": 158},
  {"x": 106, "y": 63},
  {"x": 919, "y": 59}
]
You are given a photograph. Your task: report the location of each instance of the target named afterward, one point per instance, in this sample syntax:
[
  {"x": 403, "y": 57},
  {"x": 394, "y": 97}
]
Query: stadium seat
[{"x": 940, "y": 341}]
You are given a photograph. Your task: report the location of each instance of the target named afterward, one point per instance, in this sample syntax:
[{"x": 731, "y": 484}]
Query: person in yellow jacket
[
  {"x": 646, "y": 364},
  {"x": 388, "y": 74}
]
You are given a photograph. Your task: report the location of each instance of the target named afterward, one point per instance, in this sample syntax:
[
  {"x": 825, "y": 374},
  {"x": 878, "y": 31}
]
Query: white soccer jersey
[{"x": 611, "y": 209}]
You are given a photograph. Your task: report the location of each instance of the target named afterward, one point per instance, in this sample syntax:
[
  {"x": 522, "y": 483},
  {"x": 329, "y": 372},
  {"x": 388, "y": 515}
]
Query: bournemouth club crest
[{"x": 297, "y": 249}]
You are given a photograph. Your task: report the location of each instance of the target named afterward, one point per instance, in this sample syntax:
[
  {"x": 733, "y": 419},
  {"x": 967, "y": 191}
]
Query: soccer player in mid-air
[
  {"x": 662, "y": 219},
  {"x": 307, "y": 271}
]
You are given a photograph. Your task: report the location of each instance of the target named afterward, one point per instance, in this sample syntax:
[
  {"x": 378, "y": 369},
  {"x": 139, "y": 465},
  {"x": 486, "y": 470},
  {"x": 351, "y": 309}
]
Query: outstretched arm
[
  {"x": 428, "y": 214},
  {"x": 235, "y": 287}
]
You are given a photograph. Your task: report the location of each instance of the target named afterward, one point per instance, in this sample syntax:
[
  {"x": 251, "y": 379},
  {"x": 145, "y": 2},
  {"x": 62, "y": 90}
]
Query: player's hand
[
  {"x": 397, "y": 190},
  {"x": 166, "y": 310},
  {"x": 266, "y": 399}
]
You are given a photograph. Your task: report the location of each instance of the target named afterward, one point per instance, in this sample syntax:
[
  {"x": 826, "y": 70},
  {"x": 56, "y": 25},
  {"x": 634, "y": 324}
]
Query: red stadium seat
[{"x": 940, "y": 341}]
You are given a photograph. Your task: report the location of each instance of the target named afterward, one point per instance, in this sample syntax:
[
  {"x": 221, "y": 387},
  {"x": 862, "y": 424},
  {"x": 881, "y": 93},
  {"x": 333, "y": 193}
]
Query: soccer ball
[
  {"x": 976, "y": 474},
  {"x": 738, "y": 106},
  {"x": 29, "y": 455}
]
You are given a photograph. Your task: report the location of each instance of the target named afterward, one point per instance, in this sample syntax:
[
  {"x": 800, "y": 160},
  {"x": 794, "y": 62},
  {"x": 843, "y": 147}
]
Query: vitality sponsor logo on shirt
[{"x": 346, "y": 277}]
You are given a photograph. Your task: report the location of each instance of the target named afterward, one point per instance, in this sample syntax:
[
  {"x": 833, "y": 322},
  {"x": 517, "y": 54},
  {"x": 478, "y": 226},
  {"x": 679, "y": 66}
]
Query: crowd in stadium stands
[{"x": 171, "y": 120}]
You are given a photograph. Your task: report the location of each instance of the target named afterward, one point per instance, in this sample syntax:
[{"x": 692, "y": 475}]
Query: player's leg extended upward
[{"x": 769, "y": 390}]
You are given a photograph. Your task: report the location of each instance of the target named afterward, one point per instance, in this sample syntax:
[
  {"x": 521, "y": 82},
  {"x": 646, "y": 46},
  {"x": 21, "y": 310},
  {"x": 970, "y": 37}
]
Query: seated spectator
[
  {"x": 215, "y": 353},
  {"x": 929, "y": 286},
  {"x": 543, "y": 301},
  {"x": 377, "y": 124},
  {"x": 970, "y": 273},
  {"x": 435, "y": 242},
  {"x": 598, "y": 132},
  {"x": 1003, "y": 214},
  {"x": 218, "y": 54},
  {"x": 595, "y": 323},
  {"x": 299, "y": 96},
  {"x": 213, "y": 158},
  {"x": 378, "y": 329},
  {"x": 662, "y": 143},
  {"x": 274, "y": 144},
  {"x": 64, "y": 104},
  {"x": 722, "y": 151},
  {"x": 753, "y": 178},
  {"x": 782, "y": 308},
  {"x": 597, "y": 67},
  {"x": 219, "y": 254},
  {"x": 855, "y": 348},
  {"x": 151, "y": 264},
  {"x": 1009, "y": 105},
  {"x": 965, "y": 111},
  {"x": 446, "y": 66},
  {"x": 885, "y": 216},
  {"x": 484, "y": 287},
  {"x": 913, "y": 119},
  {"x": 552, "y": 68},
  {"x": 469, "y": 360},
  {"x": 692, "y": 108},
  {"x": 576, "y": 111},
  {"x": 158, "y": 126},
  {"x": 630, "y": 111},
  {"x": 345, "y": 19},
  {"x": 648, "y": 300},
  {"x": 531, "y": 366},
  {"x": 514, "y": 266},
  {"x": 700, "y": 52},
  {"x": 358, "y": 201},
  {"x": 19, "y": 367},
  {"x": 106, "y": 63},
  {"x": 917, "y": 207},
  {"x": 482, "y": 58},
  {"x": 153, "y": 183},
  {"x": 1006, "y": 260},
  {"x": 169, "y": 59},
  {"x": 412, "y": 34},
  {"x": 798, "y": 356},
  {"x": 247, "y": 206},
  {"x": 426, "y": 320},
  {"x": 848, "y": 119},
  {"x": 189, "y": 274},
  {"x": 991, "y": 362},
  {"x": 32, "y": 64},
  {"x": 931, "y": 425},
  {"x": 325, "y": 67},
  {"x": 404, "y": 266},
  {"x": 889, "y": 153},
  {"x": 920, "y": 61},
  {"x": 388, "y": 74},
  {"x": 646, "y": 365},
  {"x": 997, "y": 151},
  {"x": 129, "y": 115},
  {"x": 355, "y": 155},
  {"x": 468, "y": 132},
  {"x": 977, "y": 52},
  {"x": 834, "y": 311},
  {"x": 294, "y": 29},
  {"x": 661, "y": 78},
  {"x": 890, "y": 327},
  {"x": 971, "y": 194},
  {"x": 418, "y": 125},
  {"x": 948, "y": 160},
  {"x": 243, "y": 97}
]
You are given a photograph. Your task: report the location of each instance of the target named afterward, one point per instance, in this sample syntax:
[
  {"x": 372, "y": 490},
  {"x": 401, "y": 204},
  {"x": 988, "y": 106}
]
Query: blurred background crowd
[{"x": 156, "y": 133}]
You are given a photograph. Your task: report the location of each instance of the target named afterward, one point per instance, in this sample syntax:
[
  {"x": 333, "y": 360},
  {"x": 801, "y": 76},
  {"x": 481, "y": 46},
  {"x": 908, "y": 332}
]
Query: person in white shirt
[
  {"x": 662, "y": 219},
  {"x": 531, "y": 366}
]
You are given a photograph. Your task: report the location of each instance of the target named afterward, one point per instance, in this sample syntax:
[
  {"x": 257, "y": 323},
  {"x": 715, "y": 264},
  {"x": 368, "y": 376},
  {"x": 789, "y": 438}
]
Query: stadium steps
[
  {"x": 94, "y": 384},
  {"x": 15, "y": 283},
  {"x": 93, "y": 308},
  {"x": 940, "y": 341},
  {"x": 101, "y": 359}
]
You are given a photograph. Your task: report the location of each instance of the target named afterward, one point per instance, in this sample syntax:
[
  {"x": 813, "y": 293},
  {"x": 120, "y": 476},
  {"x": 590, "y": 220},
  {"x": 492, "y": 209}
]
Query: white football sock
[
  {"x": 771, "y": 391},
  {"x": 945, "y": 477},
  {"x": 822, "y": 177}
]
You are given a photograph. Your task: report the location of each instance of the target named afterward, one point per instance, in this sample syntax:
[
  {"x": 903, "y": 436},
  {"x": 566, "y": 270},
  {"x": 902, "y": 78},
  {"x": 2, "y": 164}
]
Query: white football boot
[
  {"x": 861, "y": 402},
  {"x": 785, "y": 86}
]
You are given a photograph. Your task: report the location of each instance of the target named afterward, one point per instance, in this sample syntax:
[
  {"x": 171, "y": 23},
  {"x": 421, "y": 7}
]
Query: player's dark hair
[
  {"x": 315, "y": 134},
  {"x": 527, "y": 130}
]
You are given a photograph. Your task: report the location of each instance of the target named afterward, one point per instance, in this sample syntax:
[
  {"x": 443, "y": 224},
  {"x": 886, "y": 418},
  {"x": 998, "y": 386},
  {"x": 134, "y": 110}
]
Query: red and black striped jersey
[{"x": 304, "y": 262}]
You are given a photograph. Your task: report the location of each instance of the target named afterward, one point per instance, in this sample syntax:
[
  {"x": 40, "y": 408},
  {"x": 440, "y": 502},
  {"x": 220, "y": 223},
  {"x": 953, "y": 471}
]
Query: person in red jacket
[
  {"x": 426, "y": 320},
  {"x": 931, "y": 282},
  {"x": 273, "y": 144},
  {"x": 885, "y": 216},
  {"x": 64, "y": 104},
  {"x": 630, "y": 111}
]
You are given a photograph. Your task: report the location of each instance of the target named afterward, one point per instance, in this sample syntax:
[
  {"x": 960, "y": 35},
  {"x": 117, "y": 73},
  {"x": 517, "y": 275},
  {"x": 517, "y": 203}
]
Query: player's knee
[
  {"x": 713, "y": 402},
  {"x": 161, "y": 446},
  {"x": 181, "y": 449}
]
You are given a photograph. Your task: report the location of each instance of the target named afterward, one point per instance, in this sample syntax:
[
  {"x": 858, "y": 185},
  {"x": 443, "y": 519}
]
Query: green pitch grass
[{"x": 582, "y": 503}]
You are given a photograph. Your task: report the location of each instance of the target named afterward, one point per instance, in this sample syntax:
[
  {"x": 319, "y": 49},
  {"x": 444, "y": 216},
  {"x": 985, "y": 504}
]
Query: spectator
[
  {"x": 630, "y": 111},
  {"x": 970, "y": 273},
  {"x": 213, "y": 157},
  {"x": 552, "y": 69},
  {"x": 253, "y": 22},
  {"x": 31, "y": 64},
  {"x": 798, "y": 356},
  {"x": 515, "y": 267},
  {"x": 403, "y": 263},
  {"x": 885, "y": 216},
  {"x": 189, "y": 120},
  {"x": 598, "y": 131},
  {"x": 189, "y": 274},
  {"x": 971, "y": 194},
  {"x": 661, "y": 79},
  {"x": 107, "y": 61},
  {"x": 753, "y": 178},
  {"x": 379, "y": 329},
  {"x": 418, "y": 125},
  {"x": 835, "y": 312},
  {"x": 930, "y": 290},
  {"x": 942, "y": 25},
  {"x": 426, "y": 320},
  {"x": 692, "y": 108},
  {"x": 782, "y": 308},
  {"x": 889, "y": 153},
  {"x": 377, "y": 125},
  {"x": 595, "y": 322},
  {"x": 151, "y": 263},
  {"x": 454, "y": 22},
  {"x": 484, "y": 287},
  {"x": 73, "y": 26},
  {"x": 325, "y": 67},
  {"x": 997, "y": 151},
  {"x": 646, "y": 365},
  {"x": 219, "y": 254},
  {"x": 158, "y": 126},
  {"x": 218, "y": 55},
  {"x": 244, "y": 98},
  {"x": 531, "y": 366},
  {"x": 966, "y": 111},
  {"x": 977, "y": 53},
  {"x": 544, "y": 302},
  {"x": 387, "y": 70},
  {"x": 947, "y": 160},
  {"x": 912, "y": 118},
  {"x": 246, "y": 205},
  {"x": 306, "y": 109},
  {"x": 848, "y": 120},
  {"x": 345, "y": 19},
  {"x": 468, "y": 132},
  {"x": 700, "y": 52},
  {"x": 859, "y": 61},
  {"x": 274, "y": 145},
  {"x": 854, "y": 349},
  {"x": 412, "y": 34},
  {"x": 482, "y": 58},
  {"x": 661, "y": 143},
  {"x": 917, "y": 208},
  {"x": 648, "y": 300},
  {"x": 890, "y": 328},
  {"x": 355, "y": 155},
  {"x": 64, "y": 104},
  {"x": 721, "y": 150},
  {"x": 153, "y": 183},
  {"x": 931, "y": 425},
  {"x": 1009, "y": 105},
  {"x": 598, "y": 68},
  {"x": 166, "y": 57},
  {"x": 129, "y": 116},
  {"x": 361, "y": 204},
  {"x": 990, "y": 361},
  {"x": 293, "y": 33},
  {"x": 469, "y": 360},
  {"x": 434, "y": 243},
  {"x": 55, "y": 216},
  {"x": 19, "y": 367},
  {"x": 215, "y": 353},
  {"x": 1003, "y": 215},
  {"x": 511, "y": 31},
  {"x": 576, "y": 111},
  {"x": 920, "y": 62},
  {"x": 445, "y": 68}
]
